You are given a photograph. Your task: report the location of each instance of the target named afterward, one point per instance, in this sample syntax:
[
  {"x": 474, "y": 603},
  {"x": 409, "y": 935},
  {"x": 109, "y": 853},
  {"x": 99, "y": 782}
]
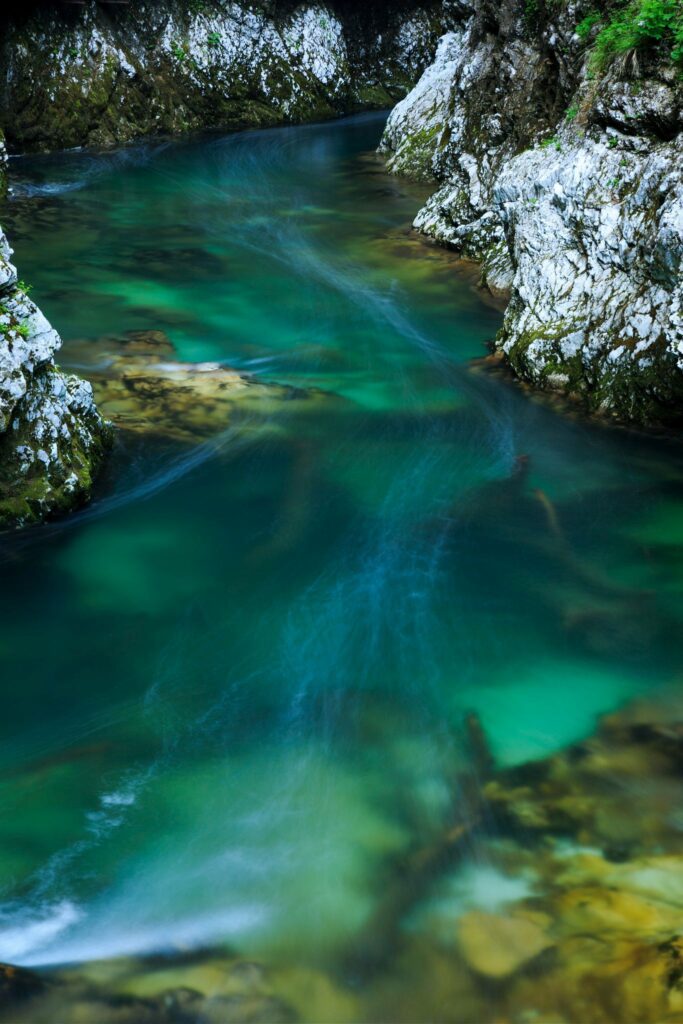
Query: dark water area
[{"x": 241, "y": 690}]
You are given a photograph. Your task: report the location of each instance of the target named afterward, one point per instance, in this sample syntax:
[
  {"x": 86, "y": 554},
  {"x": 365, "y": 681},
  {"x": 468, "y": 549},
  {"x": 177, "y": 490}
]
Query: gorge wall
[
  {"x": 98, "y": 74},
  {"x": 561, "y": 174},
  {"x": 561, "y": 171}
]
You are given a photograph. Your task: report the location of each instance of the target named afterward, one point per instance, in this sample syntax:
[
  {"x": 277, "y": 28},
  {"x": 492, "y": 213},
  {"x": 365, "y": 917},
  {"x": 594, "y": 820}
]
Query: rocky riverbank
[
  {"x": 98, "y": 74},
  {"x": 52, "y": 437},
  {"x": 561, "y": 172}
]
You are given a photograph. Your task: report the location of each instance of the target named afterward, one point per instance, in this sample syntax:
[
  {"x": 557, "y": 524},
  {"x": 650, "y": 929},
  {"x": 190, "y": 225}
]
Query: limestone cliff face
[
  {"x": 101, "y": 74},
  {"x": 52, "y": 438},
  {"x": 567, "y": 185}
]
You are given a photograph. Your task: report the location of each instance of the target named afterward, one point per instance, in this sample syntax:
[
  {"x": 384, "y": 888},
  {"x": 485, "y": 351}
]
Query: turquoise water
[{"x": 235, "y": 685}]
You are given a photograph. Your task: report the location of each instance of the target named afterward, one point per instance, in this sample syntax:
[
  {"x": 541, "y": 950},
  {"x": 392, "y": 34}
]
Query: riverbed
[{"x": 281, "y": 648}]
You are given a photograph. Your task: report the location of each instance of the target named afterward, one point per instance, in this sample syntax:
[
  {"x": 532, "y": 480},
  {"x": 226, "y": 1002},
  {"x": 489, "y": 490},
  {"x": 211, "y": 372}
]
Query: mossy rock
[{"x": 54, "y": 448}]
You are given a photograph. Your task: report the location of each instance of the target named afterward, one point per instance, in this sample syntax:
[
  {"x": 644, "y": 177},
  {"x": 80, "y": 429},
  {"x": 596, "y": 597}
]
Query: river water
[{"x": 235, "y": 687}]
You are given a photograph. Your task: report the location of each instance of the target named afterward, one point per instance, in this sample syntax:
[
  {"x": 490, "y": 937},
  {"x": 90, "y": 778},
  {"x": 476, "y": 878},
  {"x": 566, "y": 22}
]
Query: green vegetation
[
  {"x": 621, "y": 28},
  {"x": 637, "y": 25},
  {"x": 8, "y": 330},
  {"x": 552, "y": 141},
  {"x": 586, "y": 26},
  {"x": 213, "y": 39},
  {"x": 178, "y": 51}
]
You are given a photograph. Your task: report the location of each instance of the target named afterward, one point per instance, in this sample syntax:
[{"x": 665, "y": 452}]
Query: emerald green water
[{"x": 234, "y": 686}]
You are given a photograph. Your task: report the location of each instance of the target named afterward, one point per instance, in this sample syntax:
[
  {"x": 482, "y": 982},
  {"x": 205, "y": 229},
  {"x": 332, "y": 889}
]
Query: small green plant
[
  {"x": 614, "y": 183},
  {"x": 613, "y": 142},
  {"x": 552, "y": 141},
  {"x": 213, "y": 39},
  {"x": 11, "y": 329},
  {"x": 24, "y": 287},
  {"x": 178, "y": 51},
  {"x": 572, "y": 113}
]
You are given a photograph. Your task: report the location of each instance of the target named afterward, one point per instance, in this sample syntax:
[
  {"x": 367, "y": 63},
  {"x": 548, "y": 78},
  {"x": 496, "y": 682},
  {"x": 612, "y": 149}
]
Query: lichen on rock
[
  {"x": 99, "y": 75},
  {"x": 568, "y": 188},
  {"x": 52, "y": 437}
]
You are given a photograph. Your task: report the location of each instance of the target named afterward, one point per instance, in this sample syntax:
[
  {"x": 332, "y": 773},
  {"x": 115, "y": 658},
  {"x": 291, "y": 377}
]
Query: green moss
[
  {"x": 373, "y": 96},
  {"x": 31, "y": 495},
  {"x": 552, "y": 363},
  {"x": 414, "y": 158},
  {"x": 633, "y": 389}
]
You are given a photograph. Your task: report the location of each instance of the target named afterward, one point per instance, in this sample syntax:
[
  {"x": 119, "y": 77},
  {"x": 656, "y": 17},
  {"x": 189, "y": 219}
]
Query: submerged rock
[
  {"x": 52, "y": 437},
  {"x": 581, "y": 929},
  {"x": 496, "y": 945},
  {"x": 144, "y": 389},
  {"x": 568, "y": 188},
  {"x": 204, "y": 989},
  {"x": 18, "y": 984},
  {"x": 590, "y": 936},
  {"x": 615, "y": 791},
  {"x": 606, "y": 897}
]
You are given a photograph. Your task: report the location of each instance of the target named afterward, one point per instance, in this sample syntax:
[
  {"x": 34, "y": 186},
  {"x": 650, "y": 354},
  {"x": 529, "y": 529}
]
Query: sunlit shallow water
[{"x": 235, "y": 685}]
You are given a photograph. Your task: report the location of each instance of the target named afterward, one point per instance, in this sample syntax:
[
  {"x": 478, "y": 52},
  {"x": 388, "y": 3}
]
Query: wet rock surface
[
  {"x": 140, "y": 385},
  {"x": 567, "y": 187},
  {"x": 97, "y": 74},
  {"x": 52, "y": 437}
]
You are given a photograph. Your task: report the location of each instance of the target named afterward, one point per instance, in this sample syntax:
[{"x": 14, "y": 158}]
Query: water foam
[{"x": 27, "y": 934}]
